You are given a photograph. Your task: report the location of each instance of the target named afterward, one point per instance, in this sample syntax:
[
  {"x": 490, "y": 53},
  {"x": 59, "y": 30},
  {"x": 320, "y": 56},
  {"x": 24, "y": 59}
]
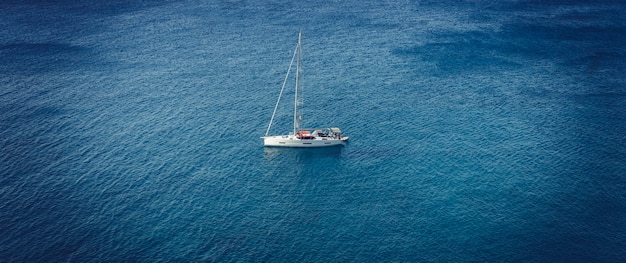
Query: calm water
[{"x": 480, "y": 131}]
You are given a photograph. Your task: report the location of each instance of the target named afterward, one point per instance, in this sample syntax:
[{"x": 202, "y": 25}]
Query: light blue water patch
[{"x": 479, "y": 132}]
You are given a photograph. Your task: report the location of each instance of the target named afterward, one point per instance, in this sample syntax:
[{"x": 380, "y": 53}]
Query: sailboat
[{"x": 301, "y": 137}]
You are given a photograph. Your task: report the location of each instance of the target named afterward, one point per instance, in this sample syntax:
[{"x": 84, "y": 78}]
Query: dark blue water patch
[
  {"x": 29, "y": 48},
  {"x": 44, "y": 195},
  {"x": 85, "y": 7},
  {"x": 564, "y": 32},
  {"x": 33, "y": 142},
  {"x": 582, "y": 224},
  {"x": 453, "y": 53},
  {"x": 600, "y": 62},
  {"x": 540, "y": 6},
  {"x": 39, "y": 58},
  {"x": 559, "y": 28},
  {"x": 596, "y": 121},
  {"x": 604, "y": 120},
  {"x": 35, "y": 114},
  {"x": 607, "y": 15}
]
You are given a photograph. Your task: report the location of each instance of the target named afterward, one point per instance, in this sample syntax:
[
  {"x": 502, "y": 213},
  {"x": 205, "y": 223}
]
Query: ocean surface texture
[{"x": 480, "y": 131}]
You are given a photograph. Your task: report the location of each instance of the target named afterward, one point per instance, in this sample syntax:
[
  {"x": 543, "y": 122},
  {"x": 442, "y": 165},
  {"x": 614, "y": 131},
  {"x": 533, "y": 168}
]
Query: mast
[{"x": 295, "y": 104}]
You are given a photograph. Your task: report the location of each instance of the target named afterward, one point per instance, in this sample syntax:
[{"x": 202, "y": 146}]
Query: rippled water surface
[{"x": 480, "y": 131}]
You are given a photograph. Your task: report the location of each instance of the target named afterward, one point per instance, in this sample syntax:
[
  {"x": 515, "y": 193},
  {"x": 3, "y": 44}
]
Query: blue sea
[{"x": 480, "y": 131}]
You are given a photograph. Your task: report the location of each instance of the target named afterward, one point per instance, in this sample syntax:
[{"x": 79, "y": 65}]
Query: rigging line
[{"x": 281, "y": 91}]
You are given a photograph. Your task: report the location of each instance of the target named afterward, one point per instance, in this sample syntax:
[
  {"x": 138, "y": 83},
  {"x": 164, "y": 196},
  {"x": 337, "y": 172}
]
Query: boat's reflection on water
[{"x": 297, "y": 154}]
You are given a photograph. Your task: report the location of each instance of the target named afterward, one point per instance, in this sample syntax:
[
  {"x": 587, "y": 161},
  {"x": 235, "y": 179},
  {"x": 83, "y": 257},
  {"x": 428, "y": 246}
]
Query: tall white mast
[{"x": 295, "y": 104}]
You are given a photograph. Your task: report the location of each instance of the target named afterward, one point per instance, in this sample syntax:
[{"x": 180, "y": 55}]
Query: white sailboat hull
[{"x": 293, "y": 141}]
